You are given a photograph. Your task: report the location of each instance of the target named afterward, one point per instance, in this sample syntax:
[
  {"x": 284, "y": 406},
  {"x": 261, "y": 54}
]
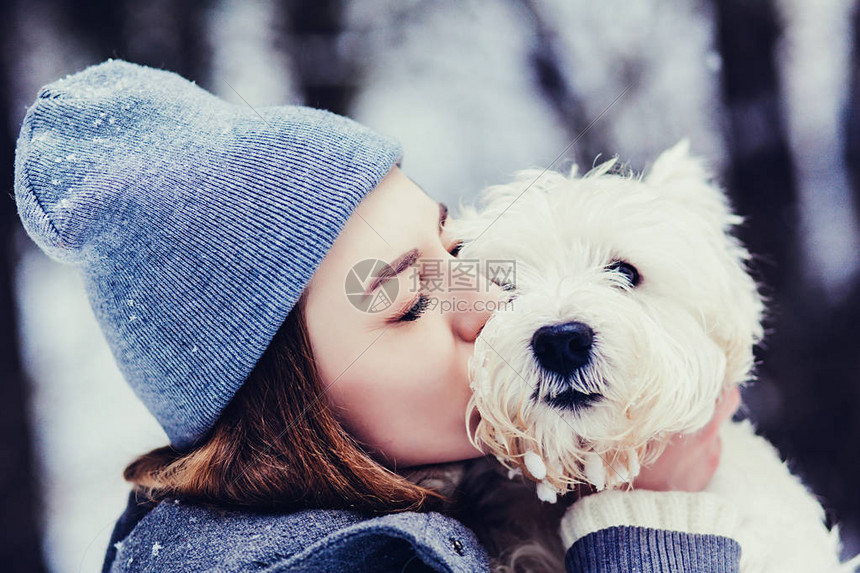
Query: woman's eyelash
[{"x": 416, "y": 310}]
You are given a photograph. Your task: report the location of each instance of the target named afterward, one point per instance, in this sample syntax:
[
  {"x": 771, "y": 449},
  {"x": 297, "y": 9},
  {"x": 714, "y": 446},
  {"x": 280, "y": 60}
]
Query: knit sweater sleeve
[{"x": 651, "y": 532}]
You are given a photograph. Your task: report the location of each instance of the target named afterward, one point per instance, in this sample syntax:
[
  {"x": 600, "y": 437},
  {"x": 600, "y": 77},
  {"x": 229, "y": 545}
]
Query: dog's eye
[{"x": 625, "y": 269}]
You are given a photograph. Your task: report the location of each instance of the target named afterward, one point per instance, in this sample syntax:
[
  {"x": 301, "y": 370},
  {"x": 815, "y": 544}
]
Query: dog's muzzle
[{"x": 563, "y": 349}]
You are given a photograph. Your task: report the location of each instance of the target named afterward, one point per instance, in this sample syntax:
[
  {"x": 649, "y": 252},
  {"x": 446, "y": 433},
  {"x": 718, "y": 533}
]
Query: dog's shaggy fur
[{"x": 648, "y": 273}]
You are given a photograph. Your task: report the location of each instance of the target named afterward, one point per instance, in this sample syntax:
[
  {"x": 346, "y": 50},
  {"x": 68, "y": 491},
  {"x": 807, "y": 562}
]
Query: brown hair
[{"x": 278, "y": 445}]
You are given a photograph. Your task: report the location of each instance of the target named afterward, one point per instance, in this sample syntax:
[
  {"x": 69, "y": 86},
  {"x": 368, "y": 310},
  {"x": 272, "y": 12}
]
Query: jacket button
[{"x": 457, "y": 545}]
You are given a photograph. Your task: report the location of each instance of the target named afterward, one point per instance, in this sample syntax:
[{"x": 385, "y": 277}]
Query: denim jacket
[{"x": 178, "y": 536}]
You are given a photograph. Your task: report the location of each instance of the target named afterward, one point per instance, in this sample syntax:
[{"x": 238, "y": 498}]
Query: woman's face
[{"x": 399, "y": 382}]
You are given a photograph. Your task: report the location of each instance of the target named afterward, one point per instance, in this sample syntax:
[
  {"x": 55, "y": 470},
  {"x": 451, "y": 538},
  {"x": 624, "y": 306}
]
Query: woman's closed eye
[
  {"x": 420, "y": 305},
  {"x": 443, "y": 218},
  {"x": 417, "y": 306},
  {"x": 415, "y": 311}
]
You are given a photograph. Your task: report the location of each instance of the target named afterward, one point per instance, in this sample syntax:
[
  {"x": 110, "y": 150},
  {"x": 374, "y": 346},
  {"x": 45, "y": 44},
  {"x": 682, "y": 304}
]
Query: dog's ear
[
  {"x": 736, "y": 319},
  {"x": 687, "y": 180},
  {"x": 676, "y": 164}
]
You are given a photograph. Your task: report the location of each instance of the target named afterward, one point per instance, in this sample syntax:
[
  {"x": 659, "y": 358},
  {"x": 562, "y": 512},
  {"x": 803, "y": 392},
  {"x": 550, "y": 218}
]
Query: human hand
[{"x": 689, "y": 461}]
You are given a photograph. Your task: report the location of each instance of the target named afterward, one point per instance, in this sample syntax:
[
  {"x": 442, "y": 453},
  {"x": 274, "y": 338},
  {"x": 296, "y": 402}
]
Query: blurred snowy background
[{"x": 766, "y": 89}]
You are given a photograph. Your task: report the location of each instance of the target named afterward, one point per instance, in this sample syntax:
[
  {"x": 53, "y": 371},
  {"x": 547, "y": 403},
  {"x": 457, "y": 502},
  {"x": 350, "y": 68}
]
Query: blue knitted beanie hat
[{"x": 195, "y": 223}]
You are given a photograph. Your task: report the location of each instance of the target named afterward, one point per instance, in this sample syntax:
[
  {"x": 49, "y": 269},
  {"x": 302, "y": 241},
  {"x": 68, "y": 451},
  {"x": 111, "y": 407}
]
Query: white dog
[{"x": 632, "y": 311}]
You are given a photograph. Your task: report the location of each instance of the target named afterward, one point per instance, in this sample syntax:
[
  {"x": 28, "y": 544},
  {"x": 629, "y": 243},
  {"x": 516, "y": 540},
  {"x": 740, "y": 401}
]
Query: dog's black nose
[{"x": 563, "y": 348}]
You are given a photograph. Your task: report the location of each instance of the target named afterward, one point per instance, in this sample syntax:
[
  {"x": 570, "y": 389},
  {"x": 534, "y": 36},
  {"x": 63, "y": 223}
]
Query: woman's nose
[{"x": 470, "y": 312}]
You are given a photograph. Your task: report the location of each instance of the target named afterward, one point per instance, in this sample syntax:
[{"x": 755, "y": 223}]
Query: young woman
[{"x": 315, "y": 425}]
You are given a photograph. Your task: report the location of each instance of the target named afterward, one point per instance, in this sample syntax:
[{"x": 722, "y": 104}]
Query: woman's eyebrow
[
  {"x": 396, "y": 267},
  {"x": 405, "y": 260}
]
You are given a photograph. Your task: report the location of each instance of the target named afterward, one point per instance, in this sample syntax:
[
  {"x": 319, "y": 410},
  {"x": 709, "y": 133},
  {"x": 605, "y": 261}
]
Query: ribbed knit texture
[
  {"x": 690, "y": 512},
  {"x": 626, "y": 549},
  {"x": 195, "y": 223}
]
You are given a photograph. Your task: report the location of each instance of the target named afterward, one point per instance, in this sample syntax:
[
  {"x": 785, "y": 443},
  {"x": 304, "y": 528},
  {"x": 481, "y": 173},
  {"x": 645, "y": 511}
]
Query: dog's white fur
[{"x": 663, "y": 350}]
